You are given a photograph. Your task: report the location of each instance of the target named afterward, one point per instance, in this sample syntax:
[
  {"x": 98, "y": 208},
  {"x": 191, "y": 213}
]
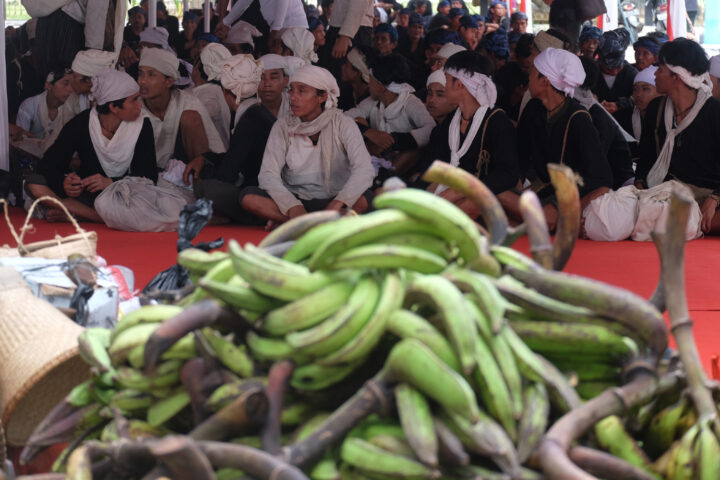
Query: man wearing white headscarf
[
  {"x": 206, "y": 77},
  {"x": 557, "y": 129},
  {"x": 86, "y": 65},
  {"x": 436, "y": 100},
  {"x": 300, "y": 43},
  {"x": 394, "y": 122},
  {"x": 477, "y": 137},
  {"x": 715, "y": 75},
  {"x": 681, "y": 135},
  {"x": 112, "y": 140},
  {"x": 355, "y": 72},
  {"x": 314, "y": 159},
  {"x": 240, "y": 38}
]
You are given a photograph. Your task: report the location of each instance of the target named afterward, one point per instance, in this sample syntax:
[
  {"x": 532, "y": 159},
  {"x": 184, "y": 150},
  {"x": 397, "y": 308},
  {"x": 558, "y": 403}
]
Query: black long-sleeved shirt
[
  {"x": 614, "y": 145},
  {"x": 75, "y": 137},
  {"x": 621, "y": 90},
  {"x": 695, "y": 155}
]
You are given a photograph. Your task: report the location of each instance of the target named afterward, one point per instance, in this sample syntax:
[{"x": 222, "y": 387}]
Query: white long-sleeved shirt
[
  {"x": 279, "y": 14},
  {"x": 350, "y": 15}
]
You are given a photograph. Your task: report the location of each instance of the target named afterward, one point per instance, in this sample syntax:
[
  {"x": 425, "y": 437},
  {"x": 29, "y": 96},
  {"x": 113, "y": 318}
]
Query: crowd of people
[{"x": 283, "y": 108}]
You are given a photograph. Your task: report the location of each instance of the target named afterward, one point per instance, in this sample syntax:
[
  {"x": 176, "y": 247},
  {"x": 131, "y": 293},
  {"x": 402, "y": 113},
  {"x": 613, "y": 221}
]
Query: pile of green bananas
[{"x": 416, "y": 349}]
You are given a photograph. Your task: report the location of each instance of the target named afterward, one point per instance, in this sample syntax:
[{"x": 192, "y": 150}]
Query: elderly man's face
[
  {"x": 644, "y": 58},
  {"x": 153, "y": 83}
]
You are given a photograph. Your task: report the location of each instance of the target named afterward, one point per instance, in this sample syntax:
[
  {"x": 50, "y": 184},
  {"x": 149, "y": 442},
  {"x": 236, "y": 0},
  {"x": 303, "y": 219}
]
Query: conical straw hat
[{"x": 39, "y": 360}]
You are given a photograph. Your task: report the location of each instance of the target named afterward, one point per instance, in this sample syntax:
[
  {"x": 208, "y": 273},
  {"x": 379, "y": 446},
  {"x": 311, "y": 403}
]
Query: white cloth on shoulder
[
  {"x": 654, "y": 209},
  {"x": 213, "y": 99},
  {"x": 115, "y": 154},
  {"x": 563, "y": 69}
]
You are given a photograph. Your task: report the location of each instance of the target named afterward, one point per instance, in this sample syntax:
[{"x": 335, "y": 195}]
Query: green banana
[
  {"x": 309, "y": 426},
  {"x": 307, "y": 311},
  {"x": 450, "y": 450},
  {"x": 373, "y": 460},
  {"x": 391, "y": 297},
  {"x": 199, "y": 261},
  {"x": 309, "y": 242},
  {"x": 682, "y": 465},
  {"x": 221, "y": 272},
  {"x": 586, "y": 371},
  {"x": 380, "y": 256},
  {"x": 296, "y": 227},
  {"x": 128, "y": 339},
  {"x": 226, "y": 393},
  {"x": 612, "y": 437},
  {"x": 268, "y": 349},
  {"x": 534, "y": 420},
  {"x": 487, "y": 297},
  {"x": 92, "y": 346},
  {"x": 450, "y": 222},
  {"x": 238, "y": 294},
  {"x": 424, "y": 241},
  {"x": 166, "y": 375},
  {"x": 234, "y": 357},
  {"x": 128, "y": 400},
  {"x": 392, "y": 444},
  {"x": 412, "y": 362},
  {"x": 458, "y": 319},
  {"x": 706, "y": 454},
  {"x": 510, "y": 257},
  {"x": 296, "y": 413},
  {"x": 183, "y": 349},
  {"x": 417, "y": 422},
  {"x": 406, "y": 324},
  {"x": 510, "y": 371},
  {"x": 147, "y": 314},
  {"x": 493, "y": 389},
  {"x": 81, "y": 395},
  {"x": 291, "y": 282},
  {"x": 165, "y": 409},
  {"x": 319, "y": 377},
  {"x": 663, "y": 427},
  {"x": 325, "y": 469},
  {"x": 339, "y": 329}
]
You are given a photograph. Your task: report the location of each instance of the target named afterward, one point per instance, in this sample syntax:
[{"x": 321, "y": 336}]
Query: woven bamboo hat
[{"x": 39, "y": 360}]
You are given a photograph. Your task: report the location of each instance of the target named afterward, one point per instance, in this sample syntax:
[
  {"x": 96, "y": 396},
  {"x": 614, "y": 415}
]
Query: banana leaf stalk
[
  {"x": 537, "y": 229},
  {"x": 673, "y": 274},
  {"x": 246, "y": 411},
  {"x": 278, "y": 379},
  {"x": 657, "y": 299},
  {"x": 552, "y": 453},
  {"x": 513, "y": 234},
  {"x": 568, "y": 225},
  {"x": 374, "y": 397},
  {"x": 255, "y": 463},
  {"x": 605, "y": 465},
  {"x": 477, "y": 192},
  {"x": 183, "y": 458},
  {"x": 191, "y": 375}
]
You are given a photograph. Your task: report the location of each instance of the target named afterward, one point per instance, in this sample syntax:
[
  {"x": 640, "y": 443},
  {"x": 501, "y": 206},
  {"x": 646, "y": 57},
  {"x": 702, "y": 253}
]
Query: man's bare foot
[{"x": 55, "y": 215}]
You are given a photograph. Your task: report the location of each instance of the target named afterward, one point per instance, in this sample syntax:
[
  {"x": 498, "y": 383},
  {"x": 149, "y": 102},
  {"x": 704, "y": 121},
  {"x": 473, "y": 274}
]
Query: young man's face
[
  {"x": 416, "y": 31},
  {"x": 436, "y": 101},
  {"x": 131, "y": 108},
  {"x": 664, "y": 79},
  {"x": 60, "y": 89},
  {"x": 519, "y": 25},
  {"x": 643, "y": 93},
  {"x": 588, "y": 48},
  {"x": 456, "y": 4},
  {"x": 348, "y": 73},
  {"x": 536, "y": 84},
  {"x": 453, "y": 89},
  {"x": 421, "y": 8},
  {"x": 272, "y": 84},
  {"x": 403, "y": 19},
  {"x": 81, "y": 84},
  {"x": 137, "y": 21},
  {"x": 470, "y": 35},
  {"x": 644, "y": 58},
  {"x": 153, "y": 83},
  {"x": 444, "y": 10},
  {"x": 384, "y": 44},
  {"x": 499, "y": 11},
  {"x": 304, "y": 100},
  {"x": 319, "y": 34}
]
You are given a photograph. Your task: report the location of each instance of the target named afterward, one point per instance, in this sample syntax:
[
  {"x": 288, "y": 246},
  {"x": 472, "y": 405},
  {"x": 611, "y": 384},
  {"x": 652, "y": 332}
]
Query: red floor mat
[{"x": 631, "y": 265}]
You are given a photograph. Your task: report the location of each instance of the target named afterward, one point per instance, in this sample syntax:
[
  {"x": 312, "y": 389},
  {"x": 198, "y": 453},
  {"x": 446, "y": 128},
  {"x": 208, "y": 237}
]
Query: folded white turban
[
  {"x": 161, "y": 60},
  {"x": 213, "y": 56},
  {"x": 647, "y": 75},
  {"x": 110, "y": 85},
  {"x": 357, "y": 59},
  {"x": 450, "y": 49},
  {"x": 480, "y": 86},
  {"x": 243, "y": 32},
  {"x": 301, "y": 42},
  {"x": 92, "y": 62},
  {"x": 156, "y": 36},
  {"x": 272, "y": 61},
  {"x": 715, "y": 66},
  {"x": 321, "y": 79},
  {"x": 438, "y": 76},
  {"x": 241, "y": 75},
  {"x": 563, "y": 69}
]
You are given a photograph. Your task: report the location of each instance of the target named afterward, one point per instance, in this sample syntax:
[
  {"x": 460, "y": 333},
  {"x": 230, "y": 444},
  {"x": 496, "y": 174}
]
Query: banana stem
[
  {"x": 537, "y": 229},
  {"x": 568, "y": 226},
  {"x": 476, "y": 191},
  {"x": 183, "y": 458},
  {"x": 657, "y": 299},
  {"x": 374, "y": 397},
  {"x": 552, "y": 452},
  {"x": 278, "y": 379},
  {"x": 673, "y": 274},
  {"x": 513, "y": 234},
  {"x": 191, "y": 375},
  {"x": 605, "y": 465},
  {"x": 247, "y": 410},
  {"x": 255, "y": 463}
]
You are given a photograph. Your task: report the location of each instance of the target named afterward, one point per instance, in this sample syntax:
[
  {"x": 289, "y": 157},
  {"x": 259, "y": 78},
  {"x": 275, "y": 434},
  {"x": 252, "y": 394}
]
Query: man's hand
[
  {"x": 221, "y": 30},
  {"x": 452, "y": 196},
  {"x": 73, "y": 185},
  {"x": 551, "y": 215},
  {"x": 296, "y": 211},
  {"x": 341, "y": 46},
  {"x": 17, "y": 133},
  {"x": 127, "y": 56},
  {"x": 708, "y": 209},
  {"x": 193, "y": 169},
  {"x": 336, "y": 205},
  {"x": 611, "y": 107},
  {"x": 96, "y": 183},
  {"x": 382, "y": 139}
]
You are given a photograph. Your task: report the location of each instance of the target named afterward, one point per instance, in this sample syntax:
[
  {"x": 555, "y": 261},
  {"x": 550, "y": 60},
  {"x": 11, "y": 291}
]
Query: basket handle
[
  {"x": 9, "y": 223},
  {"x": 27, "y": 226}
]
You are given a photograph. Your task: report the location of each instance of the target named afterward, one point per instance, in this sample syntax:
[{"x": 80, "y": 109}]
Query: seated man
[
  {"x": 436, "y": 100},
  {"x": 182, "y": 127},
  {"x": 681, "y": 132},
  {"x": 614, "y": 86},
  {"x": 300, "y": 43},
  {"x": 206, "y": 77},
  {"x": 589, "y": 37},
  {"x": 478, "y": 137},
  {"x": 631, "y": 118},
  {"x": 646, "y": 52},
  {"x": 497, "y": 17},
  {"x": 112, "y": 140},
  {"x": 314, "y": 159},
  {"x": 394, "y": 122},
  {"x": 385, "y": 39},
  {"x": 86, "y": 65},
  {"x": 355, "y": 76},
  {"x": 555, "y": 128}
]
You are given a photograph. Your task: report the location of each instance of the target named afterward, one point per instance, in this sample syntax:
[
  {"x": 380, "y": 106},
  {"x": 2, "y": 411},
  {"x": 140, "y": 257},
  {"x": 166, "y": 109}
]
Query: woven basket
[
  {"x": 59, "y": 248},
  {"x": 39, "y": 360}
]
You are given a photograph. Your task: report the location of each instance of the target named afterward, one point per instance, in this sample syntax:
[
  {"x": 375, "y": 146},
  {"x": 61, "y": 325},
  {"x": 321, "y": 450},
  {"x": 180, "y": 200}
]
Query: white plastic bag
[
  {"x": 611, "y": 218},
  {"x": 654, "y": 208}
]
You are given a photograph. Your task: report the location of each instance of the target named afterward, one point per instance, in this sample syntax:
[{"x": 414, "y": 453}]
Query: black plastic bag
[{"x": 193, "y": 219}]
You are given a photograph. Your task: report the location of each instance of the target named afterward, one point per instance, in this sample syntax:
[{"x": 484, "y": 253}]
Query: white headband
[
  {"x": 646, "y": 75},
  {"x": 438, "y": 76},
  {"x": 563, "y": 69},
  {"x": 480, "y": 86},
  {"x": 698, "y": 82},
  {"x": 358, "y": 60}
]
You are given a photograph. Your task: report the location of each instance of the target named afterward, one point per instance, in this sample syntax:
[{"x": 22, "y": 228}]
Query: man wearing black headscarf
[{"x": 615, "y": 85}]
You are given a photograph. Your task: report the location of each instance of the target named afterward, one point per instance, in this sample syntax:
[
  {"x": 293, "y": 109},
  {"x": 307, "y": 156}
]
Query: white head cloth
[
  {"x": 562, "y": 68},
  {"x": 301, "y": 42},
  {"x": 480, "y": 86},
  {"x": 156, "y": 36},
  {"x": 111, "y": 85},
  {"x": 450, "y": 49},
  {"x": 438, "y": 76},
  {"x": 698, "y": 82},
  {"x": 241, "y": 75},
  {"x": 91, "y": 62},
  {"x": 715, "y": 66},
  {"x": 647, "y": 75},
  {"x": 321, "y": 79},
  {"x": 161, "y": 60},
  {"x": 272, "y": 61},
  {"x": 243, "y": 32},
  {"x": 357, "y": 59},
  {"x": 213, "y": 56}
]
